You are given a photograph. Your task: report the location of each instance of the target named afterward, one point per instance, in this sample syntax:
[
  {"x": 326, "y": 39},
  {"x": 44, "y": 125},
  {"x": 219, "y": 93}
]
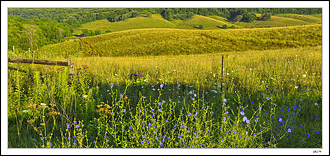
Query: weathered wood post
[{"x": 70, "y": 66}]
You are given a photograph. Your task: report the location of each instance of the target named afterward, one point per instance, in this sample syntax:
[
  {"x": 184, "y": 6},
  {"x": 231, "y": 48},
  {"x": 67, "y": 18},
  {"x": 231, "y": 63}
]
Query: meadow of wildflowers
[{"x": 266, "y": 101}]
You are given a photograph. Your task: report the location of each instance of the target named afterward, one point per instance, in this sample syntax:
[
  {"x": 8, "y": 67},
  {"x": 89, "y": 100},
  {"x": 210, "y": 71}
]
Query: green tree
[
  {"x": 225, "y": 26},
  {"x": 249, "y": 17},
  {"x": 266, "y": 16},
  {"x": 31, "y": 35},
  {"x": 200, "y": 27},
  {"x": 238, "y": 18},
  {"x": 122, "y": 17},
  {"x": 98, "y": 32},
  {"x": 190, "y": 15},
  {"x": 148, "y": 14},
  {"x": 85, "y": 32},
  {"x": 112, "y": 17},
  {"x": 167, "y": 14},
  {"x": 134, "y": 14}
]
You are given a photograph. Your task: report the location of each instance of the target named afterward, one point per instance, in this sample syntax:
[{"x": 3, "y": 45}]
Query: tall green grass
[{"x": 102, "y": 106}]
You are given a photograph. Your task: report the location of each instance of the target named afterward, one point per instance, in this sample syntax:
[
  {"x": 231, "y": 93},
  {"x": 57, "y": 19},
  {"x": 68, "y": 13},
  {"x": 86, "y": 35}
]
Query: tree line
[
  {"x": 24, "y": 34},
  {"x": 78, "y": 16}
]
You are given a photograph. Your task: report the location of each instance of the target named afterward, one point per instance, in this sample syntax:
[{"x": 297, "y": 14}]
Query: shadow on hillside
[{"x": 81, "y": 35}]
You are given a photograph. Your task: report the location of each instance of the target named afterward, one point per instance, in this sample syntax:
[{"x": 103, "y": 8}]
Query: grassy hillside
[
  {"x": 155, "y": 21},
  {"x": 275, "y": 21},
  {"x": 207, "y": 22},
  {"x": 165, "y": 41},
  {"x": 280, "y": 84},
  {"x": 223, "y": 21},
  {"x": 306, "y": 18}
]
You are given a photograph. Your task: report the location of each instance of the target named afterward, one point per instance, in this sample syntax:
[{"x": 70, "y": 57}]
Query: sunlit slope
[
  {"x": 165, "y": 41},
  {"x": 155, "y": 21},
  {"x": 207, "y": 22},
  {"x": 275, "y": 21},
  {"x": 306, "y": 18}
]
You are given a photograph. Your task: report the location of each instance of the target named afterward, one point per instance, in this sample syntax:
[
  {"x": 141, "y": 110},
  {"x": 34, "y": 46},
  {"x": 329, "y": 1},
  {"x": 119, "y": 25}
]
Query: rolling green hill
[
  {"x": 209, "y": 23},
  {"x": 155, "y": 21},
  {"x": 306, "y": 18},
  {"x": 275, "y": 21},
  {"x": 168, "y": 41}
]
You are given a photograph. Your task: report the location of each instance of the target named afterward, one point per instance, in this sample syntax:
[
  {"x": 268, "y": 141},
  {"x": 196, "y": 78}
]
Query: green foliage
[
  {"x": 265, "y": 17},
  {"x": 249, "y": 17},
  {"x": 225, "y": 27},
  {"x": 238, "y": 18},
  {"x": 185, "y": 16},
  {"x": 148, "y": 14},
  {"x": 108, "y": 31},
  {"x": 200, "y": 27},
  {"x": 86, "y": 32},
  {"x": 134, "y": 14},
  {"x": 112, "y": 17},
  {"x": 167, "y": 14},
  {"x": 34, "y": 33},
  {"x": 98, "y": 32}
]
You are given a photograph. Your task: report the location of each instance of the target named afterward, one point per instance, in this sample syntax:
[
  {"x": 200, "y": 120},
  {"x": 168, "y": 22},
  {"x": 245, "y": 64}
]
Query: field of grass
[
  {"x": 207, "y": 22},
  {"x": 224, "y": 21},
  {"x": 269, "y": 98},
  {"x": 155, "y": 21},
  {"x": 153, "y": 83},
  {"x": 313, "y": 19},
  {"x": 162, "y": 41},
  {"x": 275, "y": 21}
]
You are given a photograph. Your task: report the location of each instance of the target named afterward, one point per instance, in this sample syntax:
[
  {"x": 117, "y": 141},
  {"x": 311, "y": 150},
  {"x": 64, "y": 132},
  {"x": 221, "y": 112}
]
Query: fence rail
[{"x": 69, "y": 63}]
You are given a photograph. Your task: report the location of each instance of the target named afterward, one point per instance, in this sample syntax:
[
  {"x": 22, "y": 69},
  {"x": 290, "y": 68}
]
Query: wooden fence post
[{"x": 70, "y": 66}]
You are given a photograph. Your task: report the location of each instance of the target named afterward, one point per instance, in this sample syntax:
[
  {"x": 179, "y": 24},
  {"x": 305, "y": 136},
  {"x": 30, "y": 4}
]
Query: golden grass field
[{"x": 168, "y": 41}]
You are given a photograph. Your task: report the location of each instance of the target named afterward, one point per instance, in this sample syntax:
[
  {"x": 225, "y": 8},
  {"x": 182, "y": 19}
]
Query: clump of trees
[
  {"x": 183, "y": 16},
  {"x": 86, "y": 32},
  {"x": 266, "y": 17},
  {"x": 114, "y": 17},
  {"x": 242, "y": 15},
  {"x": 167, "y": 14},
  {"x": 31, "y": 34},
  {"x": 148, "y": 14}
]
